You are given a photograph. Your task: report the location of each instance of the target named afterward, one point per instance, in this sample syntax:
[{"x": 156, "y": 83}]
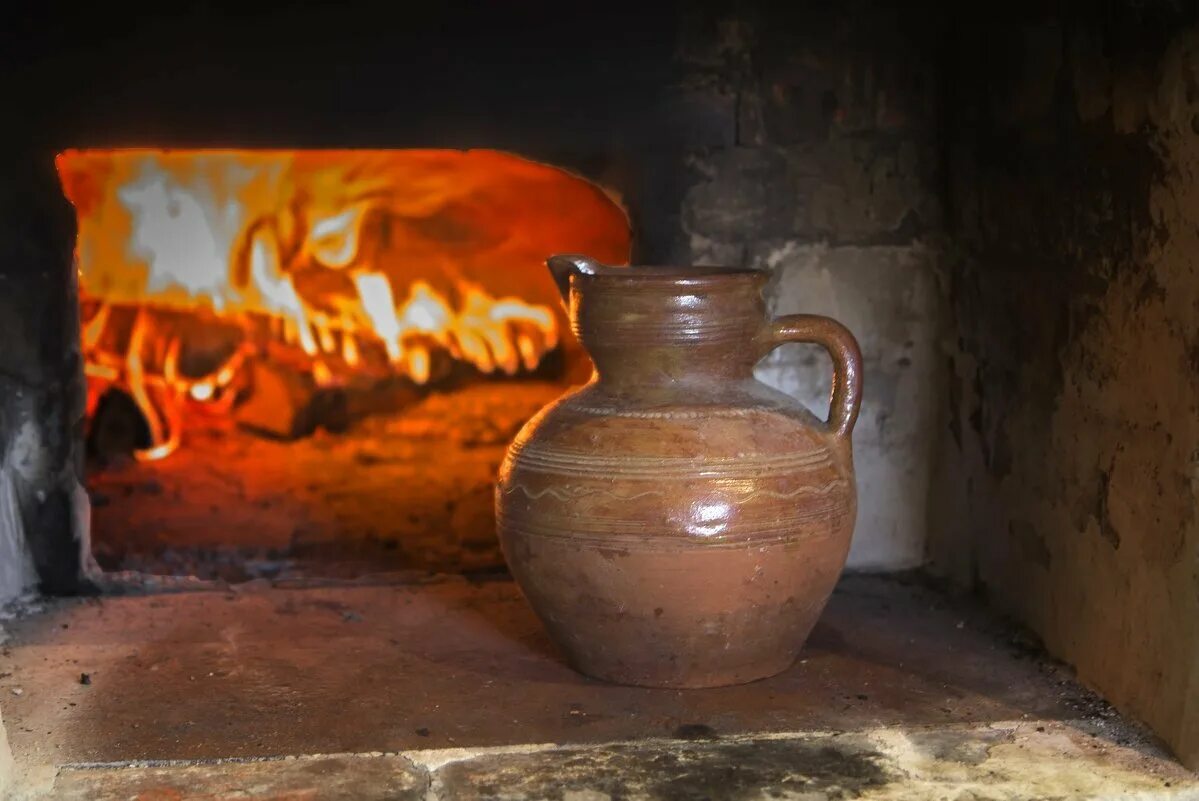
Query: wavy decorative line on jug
[{"x": 575, "y": 493}]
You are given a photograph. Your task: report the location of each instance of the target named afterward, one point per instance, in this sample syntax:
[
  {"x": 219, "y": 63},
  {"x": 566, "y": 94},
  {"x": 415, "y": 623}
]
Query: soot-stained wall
[
  {"x": 43, "y": 505},
  {"x": 1068, "y": 481}
]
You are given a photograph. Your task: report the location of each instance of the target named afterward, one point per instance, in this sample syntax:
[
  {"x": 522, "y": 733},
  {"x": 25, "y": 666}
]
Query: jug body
[{"x": 675, "y": 522}]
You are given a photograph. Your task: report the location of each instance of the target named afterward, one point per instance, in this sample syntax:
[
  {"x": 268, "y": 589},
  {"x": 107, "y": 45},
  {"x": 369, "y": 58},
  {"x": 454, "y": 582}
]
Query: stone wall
[
  {"x": 1068, "y": 483},
  {"x": 828, "y": 177},
  {"x": 43, "y": 506}
]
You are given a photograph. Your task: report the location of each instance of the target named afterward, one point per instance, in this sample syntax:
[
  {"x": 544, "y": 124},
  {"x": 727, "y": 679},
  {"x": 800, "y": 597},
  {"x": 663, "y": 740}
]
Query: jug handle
[
  {"x": 564, "y": 265},
  {"x": 847, "y": 363}
]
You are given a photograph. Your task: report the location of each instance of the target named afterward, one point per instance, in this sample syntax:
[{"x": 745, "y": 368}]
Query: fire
[{"x": 193, "y": 264}]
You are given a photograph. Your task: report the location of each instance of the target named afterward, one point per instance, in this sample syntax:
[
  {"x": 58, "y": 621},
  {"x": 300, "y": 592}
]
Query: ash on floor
[{"x": 411, "y": 491}]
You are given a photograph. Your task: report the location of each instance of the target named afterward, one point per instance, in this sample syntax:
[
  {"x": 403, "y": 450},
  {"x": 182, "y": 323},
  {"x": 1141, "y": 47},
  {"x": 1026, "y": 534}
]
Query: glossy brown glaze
[{"x": 675, "y": 522}]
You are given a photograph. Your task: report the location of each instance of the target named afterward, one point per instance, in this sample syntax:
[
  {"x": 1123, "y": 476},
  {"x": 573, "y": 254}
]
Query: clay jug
[{"x": 675, "y": 522}]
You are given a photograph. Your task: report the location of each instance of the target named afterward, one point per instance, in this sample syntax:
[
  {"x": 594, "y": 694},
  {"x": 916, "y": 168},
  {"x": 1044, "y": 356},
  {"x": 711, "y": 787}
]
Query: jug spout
[{"x": 564, "y": 265}]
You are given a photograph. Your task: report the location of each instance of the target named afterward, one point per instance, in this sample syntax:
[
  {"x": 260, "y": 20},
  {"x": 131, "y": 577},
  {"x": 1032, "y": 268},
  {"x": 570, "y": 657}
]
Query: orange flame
[{"x": 357, "y": 260}]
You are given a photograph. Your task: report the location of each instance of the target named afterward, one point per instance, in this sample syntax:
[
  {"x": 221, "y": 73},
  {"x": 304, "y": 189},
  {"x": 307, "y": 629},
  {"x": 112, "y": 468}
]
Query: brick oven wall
[{"x": 1068, "y": 486}]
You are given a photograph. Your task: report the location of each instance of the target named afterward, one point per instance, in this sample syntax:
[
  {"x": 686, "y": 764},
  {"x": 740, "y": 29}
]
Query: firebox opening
[{"x": 309, "y": 362}]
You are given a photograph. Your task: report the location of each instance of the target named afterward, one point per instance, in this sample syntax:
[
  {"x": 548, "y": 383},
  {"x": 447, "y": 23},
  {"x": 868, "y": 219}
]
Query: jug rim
[{"x": 662, "y": 272}]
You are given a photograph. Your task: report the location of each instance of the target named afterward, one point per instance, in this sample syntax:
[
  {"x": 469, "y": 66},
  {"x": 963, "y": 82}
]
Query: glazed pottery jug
[{"x": 674, "y": 522}]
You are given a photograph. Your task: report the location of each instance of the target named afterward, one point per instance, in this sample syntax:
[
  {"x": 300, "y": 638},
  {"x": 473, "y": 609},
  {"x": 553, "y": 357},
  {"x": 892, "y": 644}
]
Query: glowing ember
[{"x": 340, "y": 263}]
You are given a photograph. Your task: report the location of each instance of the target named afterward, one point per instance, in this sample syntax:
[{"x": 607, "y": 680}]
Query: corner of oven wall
[{"x": 43, "y": 507}]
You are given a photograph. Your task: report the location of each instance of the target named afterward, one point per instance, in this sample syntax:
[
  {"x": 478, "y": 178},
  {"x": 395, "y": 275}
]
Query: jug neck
[{"x": 670, "y": 327}]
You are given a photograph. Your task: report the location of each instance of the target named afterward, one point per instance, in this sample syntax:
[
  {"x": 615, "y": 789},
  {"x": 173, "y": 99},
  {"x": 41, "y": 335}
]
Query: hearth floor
[{"x": 449, "y": 689}]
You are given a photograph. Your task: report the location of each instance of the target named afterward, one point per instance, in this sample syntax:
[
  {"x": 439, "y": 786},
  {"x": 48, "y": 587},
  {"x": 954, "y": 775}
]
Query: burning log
[
  {"x": 289, "y": 394},
  {"x": 118, "y": 427},
  {"x": 426, "y": 359},
  {"x": 164, "y": 361},
  {"x": 281, "y": 401},
  {"x": 138, "y": 351}
]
